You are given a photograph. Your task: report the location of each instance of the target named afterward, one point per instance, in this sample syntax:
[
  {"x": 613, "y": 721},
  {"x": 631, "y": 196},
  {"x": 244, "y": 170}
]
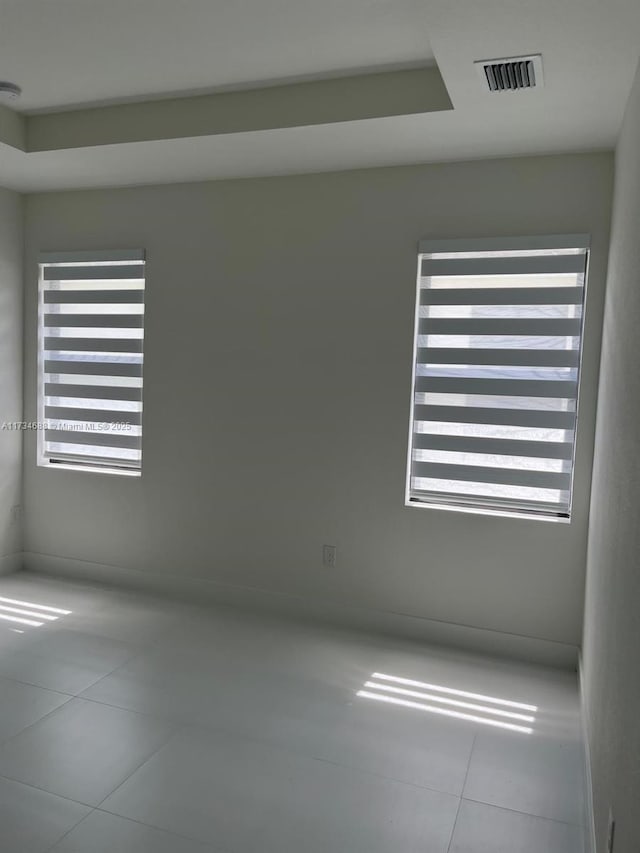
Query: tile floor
[{"x": 134, "y": 725}]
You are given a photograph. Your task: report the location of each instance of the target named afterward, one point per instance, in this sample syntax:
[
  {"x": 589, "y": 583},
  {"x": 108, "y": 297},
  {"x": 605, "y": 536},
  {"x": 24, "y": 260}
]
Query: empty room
[{"x": 319, "y": 426}]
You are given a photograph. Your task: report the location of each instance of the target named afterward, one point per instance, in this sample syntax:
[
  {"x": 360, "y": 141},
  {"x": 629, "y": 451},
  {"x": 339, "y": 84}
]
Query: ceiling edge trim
[{"x": 352, "y": 98}]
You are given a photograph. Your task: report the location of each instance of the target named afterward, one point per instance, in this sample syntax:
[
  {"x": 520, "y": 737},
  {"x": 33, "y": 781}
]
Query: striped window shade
[
  {"x": 90, "y": 357},
  {"x": 498, "y": 341}
]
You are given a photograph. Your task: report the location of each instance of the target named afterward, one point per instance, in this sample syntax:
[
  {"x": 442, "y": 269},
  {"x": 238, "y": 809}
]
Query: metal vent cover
[{"x": 512, "y": 74}]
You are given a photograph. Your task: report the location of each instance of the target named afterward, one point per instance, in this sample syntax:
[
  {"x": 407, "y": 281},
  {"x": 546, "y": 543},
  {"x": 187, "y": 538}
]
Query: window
[
  {"x": 496, "y": 367},
  {"x": 90, "y": 354}
]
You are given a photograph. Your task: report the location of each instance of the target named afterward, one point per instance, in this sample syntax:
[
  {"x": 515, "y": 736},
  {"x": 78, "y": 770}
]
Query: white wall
[
  {"x": 277, "y": 373},
  {"x": 11, "y": 252},
  {"x": 612, "y": 615}
]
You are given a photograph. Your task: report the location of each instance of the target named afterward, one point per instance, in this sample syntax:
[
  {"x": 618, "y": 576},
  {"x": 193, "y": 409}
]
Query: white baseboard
[
  {"x": 479, "y": 640},
  {"x": 590, "y": 845},
  {"x": 11, "y": 563}
]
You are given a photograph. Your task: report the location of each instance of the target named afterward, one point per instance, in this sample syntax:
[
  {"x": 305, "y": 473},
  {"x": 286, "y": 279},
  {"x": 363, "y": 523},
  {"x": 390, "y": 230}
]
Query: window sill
[
  {"x": 499, "y": 513},
  {"x": 91, "y": 469}
]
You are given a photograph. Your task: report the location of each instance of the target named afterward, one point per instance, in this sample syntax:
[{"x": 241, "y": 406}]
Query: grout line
[
  {"x": 106, "y": 675},
  {"x": 75, "y": 825},
  {"x": 171, "y": 722},
  {"x": 80, "y": 802},
  {"x": 526, "y": 814},
  {"x": 49, "y": 659},
  {"x": 464, "y": 784},
  {"x": 180, "y": 725},
  {"x": 174, "y": 729},
  {"x": 360, "y": 770},
  {"x": 177, "y": 729},
  {"x": 46, "y": 791},
  {"x": 52, "y": 689},
  {"x": 183, "y": 726},
  {"x": 35, "y": 722},
  {"x": 157, "y": 828},
  {"x": 11, "y": 678}
]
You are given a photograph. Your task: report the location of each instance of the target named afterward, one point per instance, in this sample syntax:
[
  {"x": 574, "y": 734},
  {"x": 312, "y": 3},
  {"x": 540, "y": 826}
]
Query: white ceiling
[{"x": 66, "y": 52}]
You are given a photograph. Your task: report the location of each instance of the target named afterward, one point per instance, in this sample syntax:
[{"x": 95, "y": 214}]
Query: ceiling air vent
[{"x": 512, "y": 74}]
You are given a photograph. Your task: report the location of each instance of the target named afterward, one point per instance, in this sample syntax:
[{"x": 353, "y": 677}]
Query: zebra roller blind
[
  {"x": 497, "y": 352},
  {"x": 91, "y": 330}
]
